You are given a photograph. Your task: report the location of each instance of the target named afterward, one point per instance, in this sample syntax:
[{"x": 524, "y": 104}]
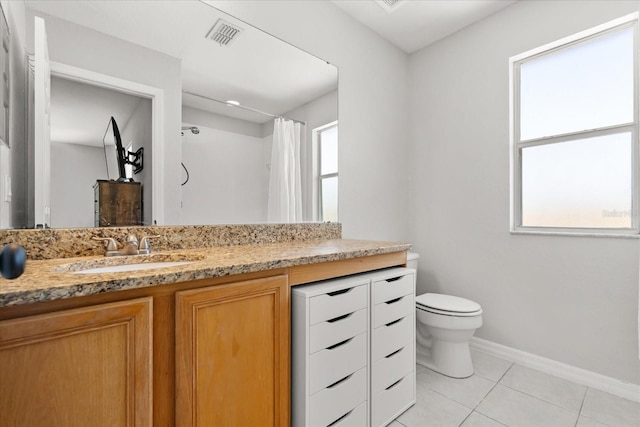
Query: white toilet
[{"x": 444, "y": 326}]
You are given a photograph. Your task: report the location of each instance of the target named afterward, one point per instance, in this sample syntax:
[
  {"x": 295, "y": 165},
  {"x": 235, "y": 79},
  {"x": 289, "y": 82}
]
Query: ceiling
[
  {"x": 414, "y": 24},
  {"x": 245, "y": 70},
  {"x": 177, "y": 28}
]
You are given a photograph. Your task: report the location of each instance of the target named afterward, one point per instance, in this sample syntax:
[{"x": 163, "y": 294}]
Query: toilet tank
[{"x": 412, "y": 260}]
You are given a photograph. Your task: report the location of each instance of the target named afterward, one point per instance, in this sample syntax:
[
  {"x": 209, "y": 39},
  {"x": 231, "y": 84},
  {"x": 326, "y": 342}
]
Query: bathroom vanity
[{"x": 204, "y": 343}]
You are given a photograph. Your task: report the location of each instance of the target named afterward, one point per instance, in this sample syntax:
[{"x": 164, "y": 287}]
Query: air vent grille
[
  {"x": 390, "y": 5},
  {"x": 223, "y": 32}
]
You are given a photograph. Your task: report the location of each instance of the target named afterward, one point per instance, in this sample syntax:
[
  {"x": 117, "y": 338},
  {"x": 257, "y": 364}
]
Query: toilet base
[{"x": 447, "y": 358}]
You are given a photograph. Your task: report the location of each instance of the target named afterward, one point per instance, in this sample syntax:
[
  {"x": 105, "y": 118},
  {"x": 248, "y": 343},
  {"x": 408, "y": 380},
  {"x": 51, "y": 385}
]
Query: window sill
[{"x": 573, "y": 234}]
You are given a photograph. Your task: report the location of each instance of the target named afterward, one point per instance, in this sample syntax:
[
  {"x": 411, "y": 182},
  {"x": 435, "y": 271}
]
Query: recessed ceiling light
[{"x": 232, "y": 102}]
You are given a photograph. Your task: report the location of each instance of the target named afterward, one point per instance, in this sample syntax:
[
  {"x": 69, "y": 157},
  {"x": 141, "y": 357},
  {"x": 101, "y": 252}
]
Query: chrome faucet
[{"x": 131, "y": 246}]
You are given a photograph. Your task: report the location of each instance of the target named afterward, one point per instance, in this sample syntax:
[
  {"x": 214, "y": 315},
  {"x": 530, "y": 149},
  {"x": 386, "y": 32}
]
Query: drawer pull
[
  {"x": 340, "y": 292},
  {"x": 394, "y": 300},
  {"x": 340, "y": 381},
  {"x": 336, "y": 319},
  {"x": 394, "y": 322},
  {"x": 394, "y": 384},
  {"x": 340, "y": 419},
  {"x": 394, "y": 353},
  {"x": 339, "y": 344},
  {"x": 393, "y": 279}
]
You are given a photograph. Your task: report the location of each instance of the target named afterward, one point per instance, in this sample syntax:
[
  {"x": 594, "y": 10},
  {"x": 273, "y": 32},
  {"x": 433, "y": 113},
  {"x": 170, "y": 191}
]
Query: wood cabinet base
[
  {"x": 232, "y": 354},
  {"x": 83, "y": 367}
]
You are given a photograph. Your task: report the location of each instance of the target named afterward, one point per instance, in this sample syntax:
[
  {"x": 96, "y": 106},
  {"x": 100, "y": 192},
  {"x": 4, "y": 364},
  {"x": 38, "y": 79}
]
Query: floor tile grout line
[
  {"x": 506, "y": 372},
  {"x": 584, "y": 397},
  {"x": 544, "y": 400},
  {"x": 483, "y": 397},
  {"x": 540, "y": 399},
  {"x": 488, "y": 393}
]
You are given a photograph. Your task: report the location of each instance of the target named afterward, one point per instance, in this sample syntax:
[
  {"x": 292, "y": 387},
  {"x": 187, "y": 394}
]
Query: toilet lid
[{"x": 448, "y": 303}]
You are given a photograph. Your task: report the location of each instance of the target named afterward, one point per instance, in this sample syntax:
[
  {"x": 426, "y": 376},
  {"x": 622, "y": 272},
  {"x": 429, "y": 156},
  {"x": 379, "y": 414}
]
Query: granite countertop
[{"x": 53, "y": 279}]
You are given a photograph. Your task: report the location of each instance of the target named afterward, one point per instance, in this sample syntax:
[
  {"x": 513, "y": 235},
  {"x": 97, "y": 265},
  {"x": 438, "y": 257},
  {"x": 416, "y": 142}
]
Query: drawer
[
  {"x": 390, "y": 337},
  {"x": 392, "y": 367},
  {"x": 333, "y": 331},
  {"x": 338, "y": 303},
  {"x": 357, "y": 417},
  {"x": 385, "y": 290},
  {"x": 387, "y": 312},
  {"x": 335, "y": 401},
  {"x": 393, "y": 400},
  {"x": 329, "y": 365}
]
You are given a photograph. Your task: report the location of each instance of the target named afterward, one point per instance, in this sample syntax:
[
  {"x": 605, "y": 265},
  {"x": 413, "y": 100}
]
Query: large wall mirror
[{"x": 222, "y": 112}]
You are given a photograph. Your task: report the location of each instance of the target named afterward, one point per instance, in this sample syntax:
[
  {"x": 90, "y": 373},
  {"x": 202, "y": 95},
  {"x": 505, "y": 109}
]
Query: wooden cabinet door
[
  {"x": 232, "y": 354},
  {"x": 83, "y": 367}
]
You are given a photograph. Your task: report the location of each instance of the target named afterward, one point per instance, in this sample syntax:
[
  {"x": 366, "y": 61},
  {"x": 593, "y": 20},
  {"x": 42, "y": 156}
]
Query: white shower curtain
[{"x": 285, "y": 196}]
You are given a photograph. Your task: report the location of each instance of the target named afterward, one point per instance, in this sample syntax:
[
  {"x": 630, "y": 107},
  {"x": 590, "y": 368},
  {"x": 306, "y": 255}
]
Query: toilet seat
[{"x": 448, "y": 305}]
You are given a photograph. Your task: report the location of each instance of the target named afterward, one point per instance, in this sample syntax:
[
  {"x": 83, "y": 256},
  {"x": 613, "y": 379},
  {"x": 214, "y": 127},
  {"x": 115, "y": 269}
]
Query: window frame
[
  {"x": 516, "y": 145},
  {"x": 317, "y": 167}
]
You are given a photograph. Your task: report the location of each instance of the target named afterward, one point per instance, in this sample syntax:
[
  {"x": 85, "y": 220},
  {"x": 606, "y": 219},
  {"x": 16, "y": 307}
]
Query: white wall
[
  {"x": 82, "y": 47},
  {"x": 372, "y": 109},
  {"x": 217, "y": 121},
  {"x": 228, "y": 178},
  {"x": 74, "y": 170},
  {"x": 138, "y": 130},
  {"x": 571, "y": 299}
]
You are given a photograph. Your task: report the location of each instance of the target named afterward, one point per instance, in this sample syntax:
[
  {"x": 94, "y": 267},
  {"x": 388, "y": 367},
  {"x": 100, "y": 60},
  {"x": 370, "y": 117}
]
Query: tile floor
[{"x": 502, "y": 393}]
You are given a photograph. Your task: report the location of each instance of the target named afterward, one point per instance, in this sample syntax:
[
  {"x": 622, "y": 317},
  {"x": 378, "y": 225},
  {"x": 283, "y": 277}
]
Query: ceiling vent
[
  {"x": 223, "y": 32},
  {"x": 390, "y": 5}
]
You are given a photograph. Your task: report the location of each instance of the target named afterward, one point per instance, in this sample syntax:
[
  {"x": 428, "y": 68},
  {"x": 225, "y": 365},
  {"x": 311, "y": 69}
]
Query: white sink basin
[{"x": 132, "y": 267}]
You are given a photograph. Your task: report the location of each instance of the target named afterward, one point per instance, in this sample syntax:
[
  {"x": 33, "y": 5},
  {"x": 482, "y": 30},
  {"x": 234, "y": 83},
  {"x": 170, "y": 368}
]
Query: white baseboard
[{"x": 562, "y": 370}]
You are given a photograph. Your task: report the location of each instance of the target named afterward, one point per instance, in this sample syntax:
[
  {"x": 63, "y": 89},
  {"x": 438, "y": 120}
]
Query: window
[
  {"x": 326, "y": 143},
  {"x": 574, "y": 134}
]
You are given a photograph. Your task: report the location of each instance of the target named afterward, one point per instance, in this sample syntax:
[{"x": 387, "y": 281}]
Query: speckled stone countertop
[
  {"x": 75, "y": 242},
  {"x": 53, "y": 279}
]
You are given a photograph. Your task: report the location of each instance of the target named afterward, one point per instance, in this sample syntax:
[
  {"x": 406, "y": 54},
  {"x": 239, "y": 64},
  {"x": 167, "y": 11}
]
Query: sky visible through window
[{"x": 585, "y": 182}]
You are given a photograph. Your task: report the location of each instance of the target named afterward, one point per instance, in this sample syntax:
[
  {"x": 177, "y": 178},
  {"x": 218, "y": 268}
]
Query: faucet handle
[
  {"x": 111, "y": 244},
  {"x": 144, "y": 247}
]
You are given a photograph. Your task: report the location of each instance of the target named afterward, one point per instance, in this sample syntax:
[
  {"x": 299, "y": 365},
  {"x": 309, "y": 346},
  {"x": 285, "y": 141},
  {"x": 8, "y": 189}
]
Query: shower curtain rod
[{"x": 255, "y": 110}]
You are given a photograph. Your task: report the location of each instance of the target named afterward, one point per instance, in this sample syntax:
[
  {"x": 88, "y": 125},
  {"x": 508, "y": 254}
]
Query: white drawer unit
[
  {"x": 387, "y": 312},
  {"x": 393, "y": 336},
  {"x": 330, "y": 353},
  {"x": 393, "y": 400},
  {"x": 333, "y": 402},
  {"x": 353, "y": 349},
  {"x": 333, "y": 363},
  {"x": 391, "y": 284},
  {"x": 357, "y": 417},
  {"x": 388, "y": 338},
  {"x": 386, "y": 370}
]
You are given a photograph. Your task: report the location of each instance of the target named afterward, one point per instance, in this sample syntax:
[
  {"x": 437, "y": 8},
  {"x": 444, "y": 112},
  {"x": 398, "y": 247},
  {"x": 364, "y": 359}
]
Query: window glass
[
  {"x": 582, "y": 183},
  {"x": 329, "y": 151},
  {"x": 585, "y": 86},
  {"x": 330, "y": 199}
]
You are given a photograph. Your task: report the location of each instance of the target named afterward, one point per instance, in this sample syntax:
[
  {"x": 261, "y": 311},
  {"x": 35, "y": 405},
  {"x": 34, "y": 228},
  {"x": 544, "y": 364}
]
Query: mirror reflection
[{"x": 236, "y": 125}]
